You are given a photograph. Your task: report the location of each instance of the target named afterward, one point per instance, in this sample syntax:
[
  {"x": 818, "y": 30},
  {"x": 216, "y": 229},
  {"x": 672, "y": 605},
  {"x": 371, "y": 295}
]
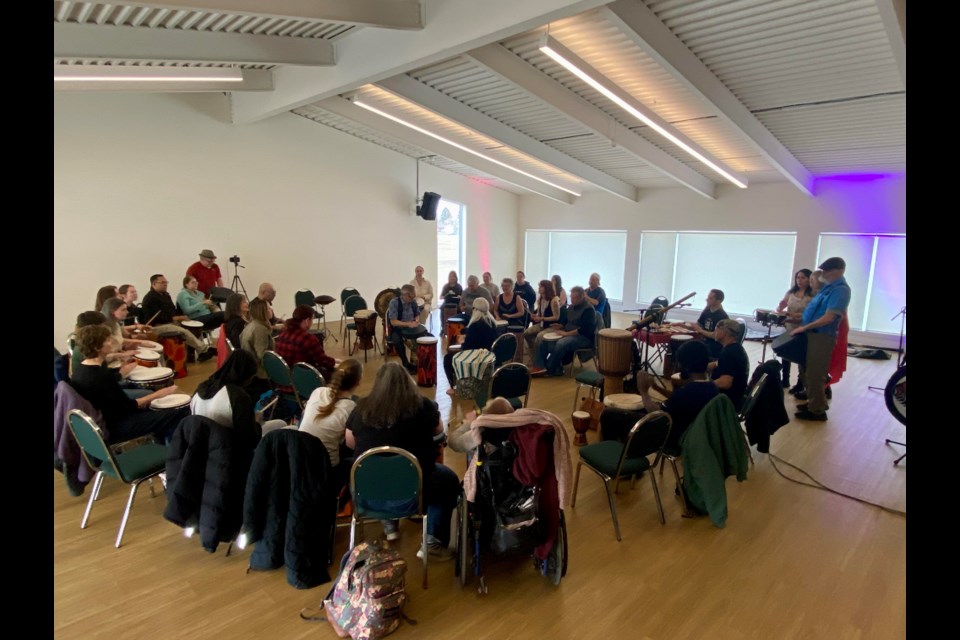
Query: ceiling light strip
[
  {"x": 435, "y": 136},
  {"x": 628, "y": 103},
  {"x": 101, "y": 73}
]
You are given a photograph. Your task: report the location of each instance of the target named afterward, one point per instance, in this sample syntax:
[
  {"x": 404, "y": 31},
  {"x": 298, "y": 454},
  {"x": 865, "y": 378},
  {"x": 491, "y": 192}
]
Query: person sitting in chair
[
  {"x": 683, "y": 405},
  {"x": 159, "y": 310},
  {"x": 403, "y": 316},
  {"x": 707, "y": 322},
  {"x": 236, "y": 316},
  {"x": 192, "y": 303},
  {"x": 424, "y": 290},
  {"x": 395, "y": 414},
  {"x": 480, "y": 333},
  {"x": 128, "y": 293},
  {"x": 731, "y": 371},
  {"x": 577, "y": 333},
  {"x": 267, "y": 293},
  {"x": 473, "y": 292},
  {"x": 296, "y": 343}
]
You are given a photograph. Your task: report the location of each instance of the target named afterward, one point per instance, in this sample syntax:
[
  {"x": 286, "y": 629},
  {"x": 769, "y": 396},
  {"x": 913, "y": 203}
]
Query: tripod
[
  {"x": 237, "y": 284},
  {"x": 901, "y": 352}
]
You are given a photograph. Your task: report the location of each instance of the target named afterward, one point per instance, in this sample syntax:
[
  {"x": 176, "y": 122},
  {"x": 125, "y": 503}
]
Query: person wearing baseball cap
[
  {"x": 206, "y": 271},
  {"x": 821, "y": 321}
]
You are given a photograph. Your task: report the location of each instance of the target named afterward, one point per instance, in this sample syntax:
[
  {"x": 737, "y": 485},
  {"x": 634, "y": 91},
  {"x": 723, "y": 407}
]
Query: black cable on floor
[{"x": 820, "y": 485}]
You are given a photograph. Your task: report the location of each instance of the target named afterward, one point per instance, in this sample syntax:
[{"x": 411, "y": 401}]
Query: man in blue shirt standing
[{"x": 821, "y": 319}]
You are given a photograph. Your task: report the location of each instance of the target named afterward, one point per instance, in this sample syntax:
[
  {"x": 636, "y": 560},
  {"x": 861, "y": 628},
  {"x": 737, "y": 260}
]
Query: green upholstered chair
[
  {"x": 132, "y": 466},
  {"x": 612, "y": 460}
]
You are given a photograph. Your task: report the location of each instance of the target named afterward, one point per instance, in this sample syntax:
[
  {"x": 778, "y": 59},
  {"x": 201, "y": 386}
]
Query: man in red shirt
[{"x": 206, "y": 272}]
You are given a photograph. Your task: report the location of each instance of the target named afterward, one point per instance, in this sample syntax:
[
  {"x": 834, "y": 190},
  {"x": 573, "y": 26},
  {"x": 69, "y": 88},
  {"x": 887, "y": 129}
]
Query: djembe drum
[
  {"x": 454, "y": 329},
  {"x": 147, "y": 358},
  {"x": 427, "y": 361},
  {"x": 615, "y": 356},
  {"x": 620, "y": 412},
  {"x": 581, "y": 423},
  {"x": 175, "y": 350},
  {"x": 366, "y": 323}
]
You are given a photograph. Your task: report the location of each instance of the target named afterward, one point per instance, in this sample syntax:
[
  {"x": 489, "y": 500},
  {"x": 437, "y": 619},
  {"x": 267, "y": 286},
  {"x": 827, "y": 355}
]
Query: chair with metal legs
[{"x": 132, "y": 467}]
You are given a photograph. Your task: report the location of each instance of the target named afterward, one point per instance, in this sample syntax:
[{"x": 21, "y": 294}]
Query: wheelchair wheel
[
  {"x": 462, "y": 564},
  {"x": 557, "y": 560}
]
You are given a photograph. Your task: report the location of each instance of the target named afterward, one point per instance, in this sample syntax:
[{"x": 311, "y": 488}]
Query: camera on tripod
[{"x": 235, "y": 259}]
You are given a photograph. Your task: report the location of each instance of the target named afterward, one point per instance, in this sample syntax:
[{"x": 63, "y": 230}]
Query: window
[
  {"x": 752, "y": 269},
  {"x": 877, "y": 274},
  {"x": 450, "y": 238},
  {"x": 574, "y": 255}
]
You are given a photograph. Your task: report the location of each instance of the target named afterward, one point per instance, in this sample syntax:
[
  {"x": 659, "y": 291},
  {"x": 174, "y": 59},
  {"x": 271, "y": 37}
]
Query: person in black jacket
[
  {"x": 479, "y": 334},
  {"x": 236, "y": 315}
]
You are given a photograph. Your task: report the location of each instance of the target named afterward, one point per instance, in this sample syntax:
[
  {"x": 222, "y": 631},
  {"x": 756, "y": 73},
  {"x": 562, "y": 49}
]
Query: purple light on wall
[{"x": 864, "y": 202}]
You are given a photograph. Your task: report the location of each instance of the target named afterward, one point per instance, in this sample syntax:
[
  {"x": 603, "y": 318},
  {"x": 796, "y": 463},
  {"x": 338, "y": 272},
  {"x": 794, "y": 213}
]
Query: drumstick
[{"x": 147, "y": 324}]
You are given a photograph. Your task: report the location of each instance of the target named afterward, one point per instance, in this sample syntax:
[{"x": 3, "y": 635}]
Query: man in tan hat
[{"x": 206, "y": 271}]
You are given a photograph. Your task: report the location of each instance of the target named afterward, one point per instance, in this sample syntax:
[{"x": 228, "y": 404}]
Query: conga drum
[
  {"x": 455, "y": 327},
  {"x": 614, "y": 358},
  {"x": 581, "y": 423},
  {"x": 175, "y": 350},
  {"x": 147, "y": 358},
  {"x": 366, "y": 323},
  {"x": 427, "y": 361},
  {"x": 194, "y": 326},
  {"x": 172, "y": 401},
  {"x": 152, "y": 379},
  {"x": 620, "y": 412}
]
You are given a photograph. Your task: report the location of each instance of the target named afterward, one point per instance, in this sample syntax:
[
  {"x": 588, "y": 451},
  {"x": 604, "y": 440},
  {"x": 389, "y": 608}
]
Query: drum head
[
  {"x": 631, "y": 401},
  {"x": 192, "y": 323},
  {"x": 145, "y": 354},
  {"x": 427, "y": 340},
  {"x": 172, "y": 401},
  {"x": 583, "y": 415},
  {"x": 615, "y": 333},
  {"x": 145, "y": 374},
  {"x": 152, "y": 346},
  {"x": 551, "y": 336},
  {"x": 895, "y": 394},
  {"x": 682, "y": 337}
]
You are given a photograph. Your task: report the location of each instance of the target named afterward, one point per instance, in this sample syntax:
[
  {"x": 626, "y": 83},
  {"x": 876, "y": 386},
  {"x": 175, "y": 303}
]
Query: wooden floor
[{"x": 792, "y": 562}]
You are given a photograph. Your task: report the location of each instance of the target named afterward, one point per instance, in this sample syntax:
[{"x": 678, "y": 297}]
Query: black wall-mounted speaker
[{"x": 428, "y": 208}]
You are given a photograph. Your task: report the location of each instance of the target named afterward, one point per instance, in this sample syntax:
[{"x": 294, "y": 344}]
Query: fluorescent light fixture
[
  {"x": 410, "y": 125},
  {"x": 572, "y": 63},
  {"x": 104, "y": 73}
]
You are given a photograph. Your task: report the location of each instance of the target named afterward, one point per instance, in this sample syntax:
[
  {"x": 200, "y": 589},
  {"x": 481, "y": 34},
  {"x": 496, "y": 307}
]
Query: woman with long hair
[
  {"x": 560, "y": 291},
  {"x": 546, "y": 312},
  {"x": 115, "y": 311},
  {"x": 257, "y": 336},
  {"x": 452, "y": 288},
  {"x": 794, "y": 302},
  {"x": 125, "y": 418},
  {"x": 480, "y": 333},
  {"x": 236, "y": 316},
  {"x": 395, "y": 414},
  {"x": 224, "y": 397},
  {"x": 327, "y": 411},
  {"x": 104, "y": 294}
]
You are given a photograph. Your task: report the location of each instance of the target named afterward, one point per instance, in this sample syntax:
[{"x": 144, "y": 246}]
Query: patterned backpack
[{"x": 367, "y": 599}]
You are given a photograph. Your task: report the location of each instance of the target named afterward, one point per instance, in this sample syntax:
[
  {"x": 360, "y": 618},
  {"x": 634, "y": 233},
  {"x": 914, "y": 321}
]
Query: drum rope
[{"x": 816, "y": 484}]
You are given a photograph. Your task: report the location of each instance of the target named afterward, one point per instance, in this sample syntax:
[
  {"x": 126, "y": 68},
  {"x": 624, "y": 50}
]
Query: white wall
[
  {"x": 852, "y": 206},
  {"x": 142, "y": 183}
]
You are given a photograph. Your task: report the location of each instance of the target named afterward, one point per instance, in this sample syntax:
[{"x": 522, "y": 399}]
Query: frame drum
[
  {"x": 895, "y": 394},
  {"x": 615, "y": 357}
]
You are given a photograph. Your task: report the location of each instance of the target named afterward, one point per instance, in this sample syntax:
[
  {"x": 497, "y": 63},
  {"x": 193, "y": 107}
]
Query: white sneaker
[
  {"x": 392, "y": 530},
  {"x": 437, "y": 552}
]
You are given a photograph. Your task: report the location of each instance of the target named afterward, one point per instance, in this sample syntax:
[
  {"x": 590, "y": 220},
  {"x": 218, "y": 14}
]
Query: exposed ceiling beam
[
  {"x": 500, "y": 61},
  {"x": 141, "y": 79},
  {"x": 342, "y": 107},
  {"x": 370, "y": 55},
  {"x": 406, "y": 87},
  {"x": 384, "y": 14},
  {"x": 84, "y": 41},
  {"x": 643, "y": 27},
  {"x": 894, "y": 16}
]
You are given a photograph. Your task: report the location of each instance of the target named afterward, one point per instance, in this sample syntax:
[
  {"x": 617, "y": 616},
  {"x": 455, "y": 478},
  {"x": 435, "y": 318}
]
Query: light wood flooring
[{"x": 792, "y": 562}]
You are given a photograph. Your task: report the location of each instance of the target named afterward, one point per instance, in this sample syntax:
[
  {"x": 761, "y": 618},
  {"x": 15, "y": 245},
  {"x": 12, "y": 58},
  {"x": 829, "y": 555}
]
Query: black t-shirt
[
  {"x": 527, "y": 292},
  {"x": 734, "y": 362},
  {"x": 708, "y": 320},
  {"x": 162, "y": 302},
  {"x": 684, "y": 406},
  {"x": 413, "y": 433},
  {"x": 101, "y": 387}
]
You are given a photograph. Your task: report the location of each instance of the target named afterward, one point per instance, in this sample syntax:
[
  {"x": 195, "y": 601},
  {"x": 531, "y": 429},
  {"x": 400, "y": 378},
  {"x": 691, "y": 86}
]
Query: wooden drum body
[
  {"x": 581, "y": 423},
  {"x": 147, "y": 358},
  {"x": 427, "y": 361},
  {"x": 175, "y": 350},
  {"x": 366, "y": 323},
  {"x": 614, "y": 358},
  {"x": 454, "y": 329}
]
